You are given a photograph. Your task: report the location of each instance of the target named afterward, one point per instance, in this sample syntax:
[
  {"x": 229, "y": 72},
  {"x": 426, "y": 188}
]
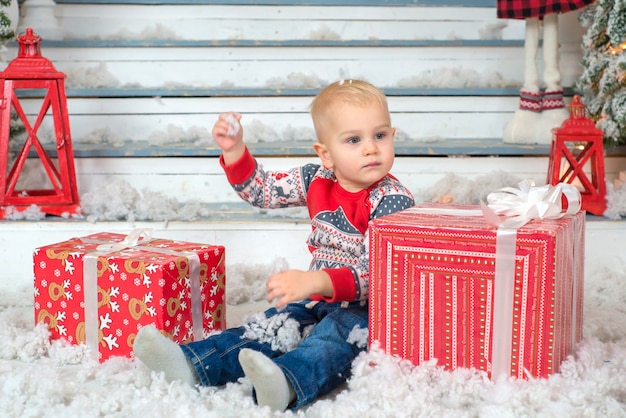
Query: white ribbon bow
[
  {"x": 512, "y": 208},
  {"x": 137, "y": 237}
]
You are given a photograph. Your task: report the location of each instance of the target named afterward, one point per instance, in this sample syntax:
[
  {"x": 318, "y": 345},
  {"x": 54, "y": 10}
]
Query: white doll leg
[
  {"x": 521, "y": 128},
  {"x": 553, "y": 108}
]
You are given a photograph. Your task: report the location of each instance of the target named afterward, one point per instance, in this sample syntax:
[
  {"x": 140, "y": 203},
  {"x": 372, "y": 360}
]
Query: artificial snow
[
  {"x": 40, "y": 378},
  {"x": 118, "y": 200},
  {"x": 458, "y": 77},
  {"x": 616, "y": 201},
  {"x": 280, "y": 331},
  {"x": 152, "y": 32},
  {"x": 453, "y": 188},
  {"x": 233, "y": 125}
]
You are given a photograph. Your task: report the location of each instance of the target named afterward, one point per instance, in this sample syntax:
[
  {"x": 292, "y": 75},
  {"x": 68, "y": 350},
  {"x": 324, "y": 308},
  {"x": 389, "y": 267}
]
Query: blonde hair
[{"x": 355, "y": 92}]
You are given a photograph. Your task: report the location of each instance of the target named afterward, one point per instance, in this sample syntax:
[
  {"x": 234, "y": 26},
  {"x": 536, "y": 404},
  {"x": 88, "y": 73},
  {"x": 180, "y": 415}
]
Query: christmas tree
[
  {"x": 6, "y": 32},
  {"x": 603, "y": 82}
]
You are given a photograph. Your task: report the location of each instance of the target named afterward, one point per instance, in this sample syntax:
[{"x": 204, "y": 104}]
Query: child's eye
[
  {"x": 380, "y": 135},
  {"x": 353, "y": 140}
]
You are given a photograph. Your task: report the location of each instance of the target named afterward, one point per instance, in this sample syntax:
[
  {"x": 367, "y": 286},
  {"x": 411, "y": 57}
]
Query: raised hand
[{"x": 228, "y": 135}]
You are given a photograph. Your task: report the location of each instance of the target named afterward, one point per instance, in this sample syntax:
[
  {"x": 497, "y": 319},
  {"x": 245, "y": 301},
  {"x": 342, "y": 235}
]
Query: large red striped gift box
[{"x": 444, "y": 286}]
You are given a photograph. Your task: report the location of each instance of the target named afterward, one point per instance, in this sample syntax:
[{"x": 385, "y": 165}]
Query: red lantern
[
  {"x": 577, "y": 157},
  {"x": 30, "y": 70}
]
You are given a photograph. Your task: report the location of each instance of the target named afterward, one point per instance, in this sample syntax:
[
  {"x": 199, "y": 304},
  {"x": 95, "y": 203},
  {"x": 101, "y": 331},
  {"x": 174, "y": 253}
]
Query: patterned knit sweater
[{"x": 339, "y": 239}]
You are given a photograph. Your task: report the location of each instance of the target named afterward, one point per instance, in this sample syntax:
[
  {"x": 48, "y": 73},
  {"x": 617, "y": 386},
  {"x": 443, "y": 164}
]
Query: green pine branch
[{"x": 6, "y": 34}]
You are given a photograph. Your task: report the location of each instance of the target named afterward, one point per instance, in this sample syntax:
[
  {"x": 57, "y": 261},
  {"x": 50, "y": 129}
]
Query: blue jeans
[{"x": 320, "y": 363}]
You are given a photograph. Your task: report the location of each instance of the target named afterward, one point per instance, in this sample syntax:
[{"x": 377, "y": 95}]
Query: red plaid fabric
[{"x": 522, "y": 9}]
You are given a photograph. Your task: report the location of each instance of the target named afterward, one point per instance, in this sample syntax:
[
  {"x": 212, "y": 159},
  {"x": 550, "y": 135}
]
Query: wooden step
[
  {"x": 284, "y": 21},
  {"x": 287, "y": 66},
  {"x": 136, "y": 126}
]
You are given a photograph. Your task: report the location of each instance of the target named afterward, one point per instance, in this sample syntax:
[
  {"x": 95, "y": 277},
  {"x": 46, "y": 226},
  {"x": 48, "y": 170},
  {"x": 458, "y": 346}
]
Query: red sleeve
[
  {"x": 241, "y": 170},
  {"x": 343, "y": 285}
]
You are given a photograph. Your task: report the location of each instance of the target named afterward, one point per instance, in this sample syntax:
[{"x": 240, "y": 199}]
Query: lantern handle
[
  {"x": 29, "y": 44},
  {"x": 577, "y": 109}
]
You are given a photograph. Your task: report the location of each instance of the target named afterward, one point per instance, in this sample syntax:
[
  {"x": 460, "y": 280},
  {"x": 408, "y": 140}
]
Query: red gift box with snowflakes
[
  {"x": 445, "y": 287},
  {"x": 102, "y": 288}
]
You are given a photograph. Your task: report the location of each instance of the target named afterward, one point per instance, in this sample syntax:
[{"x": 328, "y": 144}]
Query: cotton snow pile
[
  {"x": 39, "y": 378},
  {"x": 118, "y": 200},
  {"x": 616, "y": 197},
  {"x": 458, "y": 77},
  {"x": 453, "y": 188}
]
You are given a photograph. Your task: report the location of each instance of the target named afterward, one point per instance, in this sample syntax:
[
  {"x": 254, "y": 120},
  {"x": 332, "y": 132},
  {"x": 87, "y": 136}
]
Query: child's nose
[{"x": 370, "y": 146}]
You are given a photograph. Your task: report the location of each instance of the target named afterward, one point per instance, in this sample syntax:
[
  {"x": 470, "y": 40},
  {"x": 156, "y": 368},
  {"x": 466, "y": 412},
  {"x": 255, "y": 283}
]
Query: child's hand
[
  {"x": 228, "y": 135},
  {"x": 294, "y": 285}
]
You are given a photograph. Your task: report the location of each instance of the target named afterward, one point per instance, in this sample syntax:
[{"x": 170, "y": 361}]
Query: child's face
[{"x": 357, "y": 143}]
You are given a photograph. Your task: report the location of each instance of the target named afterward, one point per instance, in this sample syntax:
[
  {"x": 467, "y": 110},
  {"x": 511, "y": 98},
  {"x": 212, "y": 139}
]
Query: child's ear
[{"x": 322, "y": 152}]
